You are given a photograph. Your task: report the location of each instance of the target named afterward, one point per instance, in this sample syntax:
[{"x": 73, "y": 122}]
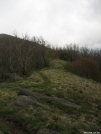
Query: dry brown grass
[{"x": 71, "y": 84}]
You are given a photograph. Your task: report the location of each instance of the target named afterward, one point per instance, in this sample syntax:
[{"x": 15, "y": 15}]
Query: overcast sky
[{"x": 60, "y": 22}]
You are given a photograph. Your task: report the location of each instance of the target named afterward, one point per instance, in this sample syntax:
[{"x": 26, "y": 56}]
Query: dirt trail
[{"x": 13, "y": 128}]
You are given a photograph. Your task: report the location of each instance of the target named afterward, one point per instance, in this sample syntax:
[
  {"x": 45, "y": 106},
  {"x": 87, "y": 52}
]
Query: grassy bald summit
[
  {"x": 55, "y": 93},
  {"x": 75, "y": 103}
]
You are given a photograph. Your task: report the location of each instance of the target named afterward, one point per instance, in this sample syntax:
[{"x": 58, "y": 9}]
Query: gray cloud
[{"x": 58, "y": 21}]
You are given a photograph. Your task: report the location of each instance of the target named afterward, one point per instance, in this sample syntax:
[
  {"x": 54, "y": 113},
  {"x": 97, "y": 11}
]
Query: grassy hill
[{"x": 75, "y": 103}]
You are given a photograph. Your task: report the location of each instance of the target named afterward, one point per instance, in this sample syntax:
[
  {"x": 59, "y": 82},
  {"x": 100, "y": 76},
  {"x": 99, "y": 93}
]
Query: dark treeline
[
  {"x": 82, "y": 61},
  {"x": 22, "y": 56}
]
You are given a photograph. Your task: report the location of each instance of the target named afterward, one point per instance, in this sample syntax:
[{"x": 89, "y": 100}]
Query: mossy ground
[{"x": 54, "y": 80}]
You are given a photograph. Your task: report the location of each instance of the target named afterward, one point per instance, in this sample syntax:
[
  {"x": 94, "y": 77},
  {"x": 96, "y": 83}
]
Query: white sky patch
[{"x": 58, "y": 21}]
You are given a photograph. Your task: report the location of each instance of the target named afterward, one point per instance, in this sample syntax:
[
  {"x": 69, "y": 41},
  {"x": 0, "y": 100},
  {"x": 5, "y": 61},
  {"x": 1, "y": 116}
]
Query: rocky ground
[{"x": 50, "y": 101}]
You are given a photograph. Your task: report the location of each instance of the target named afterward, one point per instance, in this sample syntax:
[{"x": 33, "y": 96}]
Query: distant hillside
[
  {"x": 5, "y": 36},
  {"x": 57, "y": 93},
  {"x": 24, "y": 55}
]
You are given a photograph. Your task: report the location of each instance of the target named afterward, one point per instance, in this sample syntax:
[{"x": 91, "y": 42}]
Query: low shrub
[{"x": 86, "y": 67}]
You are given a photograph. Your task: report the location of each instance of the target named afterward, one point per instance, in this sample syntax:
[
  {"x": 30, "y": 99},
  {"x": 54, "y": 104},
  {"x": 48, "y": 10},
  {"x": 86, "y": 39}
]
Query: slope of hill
[
  {"x": 22, "y": 56},
  {"x": 6, "y": 36},
  {"x": 63, "y": 102}
]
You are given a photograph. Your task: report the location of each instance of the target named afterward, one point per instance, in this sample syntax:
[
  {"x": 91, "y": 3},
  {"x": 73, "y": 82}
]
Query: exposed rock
[
  {"x": 10, "y": 77},
  {"x": 25, "y": 101},
  {"x": 38, "y": 96},
  {"x": 46, "y": 131},
  {"x": 26, "y": 92},
  {"x": 60, "y": 100},
  {"x": 6, "y": 86}
]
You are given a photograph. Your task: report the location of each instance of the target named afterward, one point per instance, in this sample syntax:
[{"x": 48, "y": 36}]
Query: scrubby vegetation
[
  {"x": 25, "y": 55},
  {"x": 22, "y": 55},
  {"x": 53, "y": 81},
  {"x": 82, "y": 61},
  {"x": 75, "y": 101}
]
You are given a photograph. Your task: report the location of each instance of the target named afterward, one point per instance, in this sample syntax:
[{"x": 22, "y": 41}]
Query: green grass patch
[
  {"x": 7, "y": 95},
  {"x": 54, "y": 80},
  {"x": 62, "y": 108},
  {"x": 4, "y": 129}
]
